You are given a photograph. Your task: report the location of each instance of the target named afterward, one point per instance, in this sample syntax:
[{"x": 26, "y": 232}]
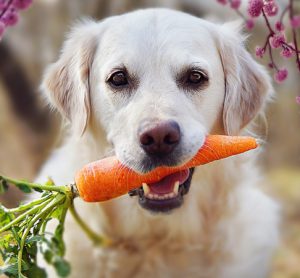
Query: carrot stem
[
  {"x": 61, "y": 189},
  {"x": 46, "y": 209},
  {"x": 94, "y": 237},
  {"x": 33, "y": 210}
]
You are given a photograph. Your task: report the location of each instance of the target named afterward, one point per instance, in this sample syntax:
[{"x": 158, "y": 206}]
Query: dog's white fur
[{"x": 227, "y": 227}]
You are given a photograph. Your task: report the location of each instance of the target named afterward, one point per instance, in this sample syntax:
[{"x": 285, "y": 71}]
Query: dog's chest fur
[{"x": 182, "y": 244}]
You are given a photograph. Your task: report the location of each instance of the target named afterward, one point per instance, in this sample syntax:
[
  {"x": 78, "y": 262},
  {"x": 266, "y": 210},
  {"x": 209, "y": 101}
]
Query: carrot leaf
[
  {"x": 62, "y": 267},
  {"x": 3, "y": 186}
]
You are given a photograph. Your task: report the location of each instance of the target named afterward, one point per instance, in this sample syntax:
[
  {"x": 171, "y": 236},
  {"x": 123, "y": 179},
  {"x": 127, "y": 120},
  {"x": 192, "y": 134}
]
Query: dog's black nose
[{"x": 159, "y": 137}]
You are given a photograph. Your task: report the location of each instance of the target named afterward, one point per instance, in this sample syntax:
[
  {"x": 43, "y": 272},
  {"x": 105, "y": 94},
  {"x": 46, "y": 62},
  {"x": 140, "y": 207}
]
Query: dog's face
[{"x": 157, "y": 82}]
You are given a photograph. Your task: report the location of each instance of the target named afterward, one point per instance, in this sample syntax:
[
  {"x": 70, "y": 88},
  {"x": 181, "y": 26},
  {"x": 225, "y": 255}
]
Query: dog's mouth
[{"x": 166, "y": 194}]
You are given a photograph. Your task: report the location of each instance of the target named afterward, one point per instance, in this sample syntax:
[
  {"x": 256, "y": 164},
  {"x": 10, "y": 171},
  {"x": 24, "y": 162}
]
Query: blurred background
[{"x": 29, "y": 131}]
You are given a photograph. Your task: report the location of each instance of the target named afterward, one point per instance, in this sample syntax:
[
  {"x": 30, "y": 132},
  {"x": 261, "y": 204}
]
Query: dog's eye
[
  {"x": 118, "y": 79},
  {"x": 193, "y": 80},
  {"x": 195, "y": 77}
]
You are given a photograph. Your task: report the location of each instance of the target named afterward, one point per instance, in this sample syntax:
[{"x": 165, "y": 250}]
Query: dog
[{"x": 148, "y": 86}]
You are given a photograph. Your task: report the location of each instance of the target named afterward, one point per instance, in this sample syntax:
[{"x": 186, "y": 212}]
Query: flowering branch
[
  {"x": 276, "y": 37},
  {"x": 9, "y": 12},
  {"x": 295, "y": 23}
]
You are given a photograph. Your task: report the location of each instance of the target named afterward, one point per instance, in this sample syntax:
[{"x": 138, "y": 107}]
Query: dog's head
[{"x": 157, "y": 81}]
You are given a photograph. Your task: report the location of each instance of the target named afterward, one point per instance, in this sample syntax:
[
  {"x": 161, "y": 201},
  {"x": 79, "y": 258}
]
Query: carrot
[{"x": 108, "y": 178}]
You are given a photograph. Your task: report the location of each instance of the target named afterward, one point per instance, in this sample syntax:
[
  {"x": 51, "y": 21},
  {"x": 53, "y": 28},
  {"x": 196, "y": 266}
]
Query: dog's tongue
[{"x": 166, "y": 185}]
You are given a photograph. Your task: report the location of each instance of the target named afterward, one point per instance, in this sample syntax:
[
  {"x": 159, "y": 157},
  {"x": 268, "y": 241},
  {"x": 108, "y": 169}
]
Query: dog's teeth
[
  {"x": 176, "y": 187},
  {"x": 165, "y": 196},
  {"x": 150, "y": 196},
  {"x": 146, "y": 188}
]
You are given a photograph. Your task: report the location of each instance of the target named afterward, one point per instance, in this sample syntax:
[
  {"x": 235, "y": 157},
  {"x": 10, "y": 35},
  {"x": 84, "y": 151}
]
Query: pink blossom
[
  {"x": 9, "y": 12},
  {"x": 255, "y": 7},
  {"x": 21, "y": 4},
  {"x": 270, "y": 8},
  {"x": 3, "y": 4},
  {"x": 295, "y": 21},
  {"x": 235, "y": 4},
  {"x": 271, "y": 66},
  {"x": 277, "y": 39},
  {"x": 279, "y": 26},
  {"x": 223, "y": 2},
  {"x": 250, "y": 24},
  {"x": 281, "y": 75},
  {"x": 298, "y": 99},
  {"x": 259, "y": 52},
  {"x": 287, "y": 52},
  {"x": 10, "y": 17}
]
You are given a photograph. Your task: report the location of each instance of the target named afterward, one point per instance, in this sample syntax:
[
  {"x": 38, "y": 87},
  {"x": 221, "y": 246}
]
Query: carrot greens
[{"x": 23, "y": 233}]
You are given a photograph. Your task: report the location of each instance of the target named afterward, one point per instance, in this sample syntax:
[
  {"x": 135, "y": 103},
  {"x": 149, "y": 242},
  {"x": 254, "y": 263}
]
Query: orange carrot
[{"x": 108, "y": 178}]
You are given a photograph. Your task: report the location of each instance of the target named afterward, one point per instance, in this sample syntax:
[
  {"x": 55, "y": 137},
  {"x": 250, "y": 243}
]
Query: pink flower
[
  {"x": 298, "y": 99},
  {"x": 295, "y": 21},
  {"x": 9, "y": 12},
  {"x": 255, "y": 7},
  {"x": 10, "y": 17},
  {"x": 2, "y": 28},
  {"x": 223, "y": 2},
  {"x": 270, "y": 8},
  {"x": 21, "y": 4},
  {"x": 279, "y": 26},
  {"x": 259, "y": 52},
  {"x": 287, "y": 52},
  {"x": 250, "y": 24},
  {"x": 281, "y": 75},
  {"x": 3, "y": 4},
  {"x": 277, "y": 39},
  {"x": 235, "y": 4}
]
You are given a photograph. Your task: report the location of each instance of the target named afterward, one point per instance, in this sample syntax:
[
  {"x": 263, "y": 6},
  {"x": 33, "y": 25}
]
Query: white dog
[{"x": 148, "y": 86}]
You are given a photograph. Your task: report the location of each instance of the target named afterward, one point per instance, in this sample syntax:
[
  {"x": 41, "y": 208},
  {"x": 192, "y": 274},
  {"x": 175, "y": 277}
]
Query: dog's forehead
[{"x": 157, "y": 33}]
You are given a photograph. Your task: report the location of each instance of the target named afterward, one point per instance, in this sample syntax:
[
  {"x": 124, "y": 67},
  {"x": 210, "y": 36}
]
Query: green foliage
[
  {"x": 23, "y": 235},
  {"x": 23, "y": 187},
  {"x": 3, "y": 185},
  {"x": 23, "y": 230},
  {"x": 4, "y": 216},
  {"x": 62, "y": 267}
]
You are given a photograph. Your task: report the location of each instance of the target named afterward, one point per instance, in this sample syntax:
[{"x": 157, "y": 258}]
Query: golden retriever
[{"x": 148, "y": 86}]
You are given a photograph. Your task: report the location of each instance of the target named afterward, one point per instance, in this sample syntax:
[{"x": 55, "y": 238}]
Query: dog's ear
[
  {"x": 66, "y": 82},
  {"x": 247, "y": 84}
]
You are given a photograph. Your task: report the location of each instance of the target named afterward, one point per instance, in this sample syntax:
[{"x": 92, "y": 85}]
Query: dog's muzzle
[{"x": 166, "y": 194}]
